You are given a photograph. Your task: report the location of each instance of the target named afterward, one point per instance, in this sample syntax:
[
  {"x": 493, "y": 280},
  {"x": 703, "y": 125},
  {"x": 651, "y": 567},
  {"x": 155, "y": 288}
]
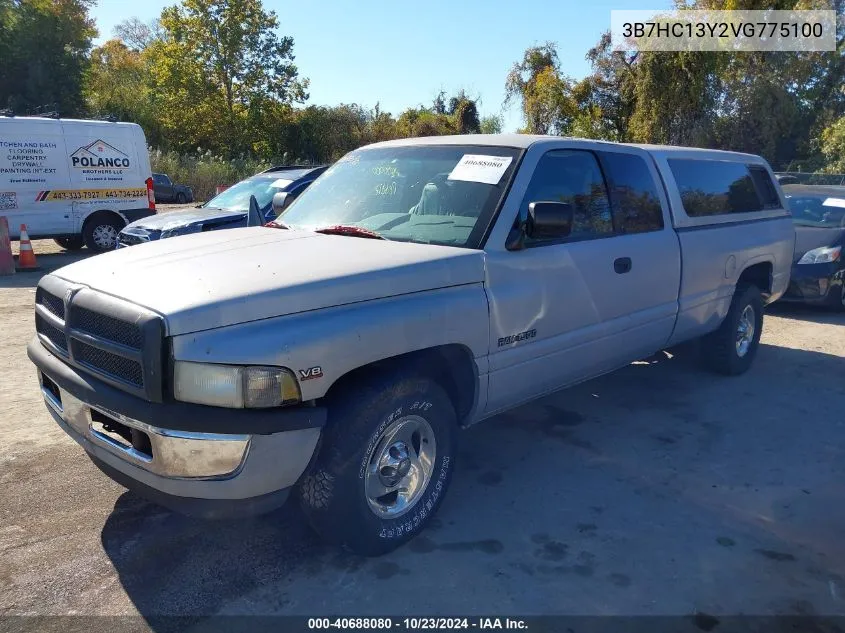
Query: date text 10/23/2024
[{"x": 417, "y": 623}]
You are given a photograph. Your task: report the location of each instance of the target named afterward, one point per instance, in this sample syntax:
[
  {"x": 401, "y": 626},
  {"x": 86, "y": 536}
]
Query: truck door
[{"x": 568, "y": 309}]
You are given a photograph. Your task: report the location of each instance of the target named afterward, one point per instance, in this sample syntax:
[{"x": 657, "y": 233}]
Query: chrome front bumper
[
  {"x": 171, "y": 454},
  {"x": 184, "y": 464}
]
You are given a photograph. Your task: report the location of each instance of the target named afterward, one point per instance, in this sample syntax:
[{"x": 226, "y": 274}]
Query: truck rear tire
[
  {"x": 100, "y": 231},
  {"x": 384, "y": 465},
  {"x": 731, "y": 349},
  {"x": 70, "y": 243}
]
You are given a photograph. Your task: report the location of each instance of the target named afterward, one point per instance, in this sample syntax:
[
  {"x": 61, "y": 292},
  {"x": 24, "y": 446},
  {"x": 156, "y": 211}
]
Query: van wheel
[
  {"x": 384, "y": 465},
  {"x": 730, "y": 350},
  {"x": 100, "y": 232},
  {"x": 70, "y": 243}
]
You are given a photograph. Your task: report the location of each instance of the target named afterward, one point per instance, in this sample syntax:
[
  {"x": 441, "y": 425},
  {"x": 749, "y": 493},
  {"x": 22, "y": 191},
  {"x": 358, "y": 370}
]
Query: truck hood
[{"x": 209, "y": 280}]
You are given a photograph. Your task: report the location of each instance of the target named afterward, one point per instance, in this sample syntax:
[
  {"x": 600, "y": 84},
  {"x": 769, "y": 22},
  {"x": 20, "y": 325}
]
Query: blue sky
[{"x": 401, "y": 55}]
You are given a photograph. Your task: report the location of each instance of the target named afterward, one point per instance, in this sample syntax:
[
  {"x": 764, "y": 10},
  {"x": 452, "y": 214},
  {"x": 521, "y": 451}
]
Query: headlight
[
  {"x": 823, "y": 255},
  {"x": 233, "y": 386}
]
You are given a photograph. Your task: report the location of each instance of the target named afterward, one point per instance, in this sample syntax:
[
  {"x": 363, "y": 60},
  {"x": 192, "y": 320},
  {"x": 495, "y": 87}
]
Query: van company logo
[{"x": 99, "y": 155}]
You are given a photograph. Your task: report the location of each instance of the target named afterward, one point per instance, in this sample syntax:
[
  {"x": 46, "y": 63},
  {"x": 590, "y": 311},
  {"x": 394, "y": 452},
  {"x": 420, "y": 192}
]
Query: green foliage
[
  {"x": 43, "y": 48},
  {"x": 491, "y": 125},
  {"x": 833, "y": 147},
  {"x": 203, "y": 172},
  {"x": 773, "y": 104}
]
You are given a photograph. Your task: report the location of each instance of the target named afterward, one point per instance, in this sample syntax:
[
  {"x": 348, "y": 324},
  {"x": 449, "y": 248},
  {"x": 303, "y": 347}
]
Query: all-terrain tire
[
  {"x": 333, "y": 495},
  {"x": 720, "y": 350}
]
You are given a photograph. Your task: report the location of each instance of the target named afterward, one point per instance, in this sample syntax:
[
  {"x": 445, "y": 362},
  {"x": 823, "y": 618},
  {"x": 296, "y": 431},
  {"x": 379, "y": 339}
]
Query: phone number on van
[{"x": 89, "y": 194}]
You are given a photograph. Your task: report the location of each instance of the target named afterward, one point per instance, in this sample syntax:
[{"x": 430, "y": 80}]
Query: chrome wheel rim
[
  {"x": 105, "y": 236},
  {"x": 399, "y": 467},
  {"x": 745, "y": 331}
]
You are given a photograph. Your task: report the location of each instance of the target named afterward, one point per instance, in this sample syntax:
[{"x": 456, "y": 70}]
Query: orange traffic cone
[{"x": 26, "y": 259}]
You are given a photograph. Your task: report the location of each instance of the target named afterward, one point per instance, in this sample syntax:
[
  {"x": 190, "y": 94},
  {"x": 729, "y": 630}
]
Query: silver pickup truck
[{"x": 417, "y": 287}]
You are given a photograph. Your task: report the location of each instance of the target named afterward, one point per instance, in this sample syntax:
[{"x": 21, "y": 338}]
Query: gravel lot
[{"x": 660, "y": 489}]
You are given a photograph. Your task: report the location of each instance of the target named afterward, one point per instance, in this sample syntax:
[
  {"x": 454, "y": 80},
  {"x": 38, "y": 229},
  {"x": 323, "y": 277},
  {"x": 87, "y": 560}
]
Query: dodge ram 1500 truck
[{"x": 417, "y": 287}]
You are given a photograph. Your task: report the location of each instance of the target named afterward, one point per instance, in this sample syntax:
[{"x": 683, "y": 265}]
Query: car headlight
[
  {"x": 823, "y": 255},
  {"x": 234, "y": 386}
]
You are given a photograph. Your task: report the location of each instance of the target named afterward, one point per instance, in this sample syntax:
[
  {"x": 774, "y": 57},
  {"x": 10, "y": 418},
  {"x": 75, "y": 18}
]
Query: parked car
[
  {"x": 168, "y": 191},
  {"x": 818, "y": 270},
  {"x": 417, "y": 287},
  {"x": 787, "y": 179},
  {"x": 229, "y": 209},
  {"x": 78, "y": 182}
]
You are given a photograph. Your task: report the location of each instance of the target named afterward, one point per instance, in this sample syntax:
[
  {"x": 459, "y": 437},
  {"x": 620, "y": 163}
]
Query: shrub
[{"x": 203, "y": 171}]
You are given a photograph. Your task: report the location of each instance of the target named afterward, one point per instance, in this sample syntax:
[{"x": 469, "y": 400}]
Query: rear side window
[
  {"x": 714, "y": 187},
  {"x": 765, "y": 187},
  {"x": 633, "y": 193},
  {"x": 572, "y": 176}
]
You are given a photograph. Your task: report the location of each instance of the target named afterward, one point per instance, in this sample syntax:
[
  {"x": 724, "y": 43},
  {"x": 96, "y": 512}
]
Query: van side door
[{"x": 565, "y": 310}]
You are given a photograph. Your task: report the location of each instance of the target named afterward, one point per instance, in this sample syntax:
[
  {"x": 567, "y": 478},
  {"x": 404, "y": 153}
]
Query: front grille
[
  {"x": 108, "y": 363},
  {"x": 56, "y": 336},
  {"x": 53, "y": 303},
  {"x": 117, "y": 341},
  {"x": 107, "y": 327},
  {"x": 128, "y": 239}
]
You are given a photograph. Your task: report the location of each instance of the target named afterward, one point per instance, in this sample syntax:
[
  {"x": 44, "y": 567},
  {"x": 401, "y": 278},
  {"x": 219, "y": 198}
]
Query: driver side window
[{"x": 574, "y": 177}]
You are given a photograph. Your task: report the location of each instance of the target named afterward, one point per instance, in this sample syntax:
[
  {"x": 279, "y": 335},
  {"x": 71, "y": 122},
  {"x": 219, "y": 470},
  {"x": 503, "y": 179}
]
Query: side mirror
[
  {"x": 549, "y": 220},
  {"x": 546, "y": 220},
  {"x": 254, "y": 217},
  {"x": 281, "y": 201}
]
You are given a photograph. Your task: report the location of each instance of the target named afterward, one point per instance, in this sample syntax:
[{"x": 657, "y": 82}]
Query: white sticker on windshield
[
  {"x": 281, "y": 183},
  {"x": 479, "y": 168},
  {"x": 834, "y": 202}
]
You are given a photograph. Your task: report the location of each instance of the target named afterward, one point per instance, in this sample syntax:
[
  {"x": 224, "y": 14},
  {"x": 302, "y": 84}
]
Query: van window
[
  {"x": 572, "y": 176},
  {"x": 633, "y": 193},
  {"x": 714, "y": 187}
]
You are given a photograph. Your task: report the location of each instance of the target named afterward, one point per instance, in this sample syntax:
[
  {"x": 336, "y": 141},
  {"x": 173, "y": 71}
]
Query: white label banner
[{"x": 480, "y": 168}]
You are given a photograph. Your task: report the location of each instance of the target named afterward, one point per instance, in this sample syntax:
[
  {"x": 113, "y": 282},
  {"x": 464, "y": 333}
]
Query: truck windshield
[{"x": 427, "y": 194}]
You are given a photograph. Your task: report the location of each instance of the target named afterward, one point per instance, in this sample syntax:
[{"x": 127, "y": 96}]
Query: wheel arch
[
  {"x": 99, "y": 213},
  {"x": 758, "y": 273},
  {"x": 452, "y": 366}
]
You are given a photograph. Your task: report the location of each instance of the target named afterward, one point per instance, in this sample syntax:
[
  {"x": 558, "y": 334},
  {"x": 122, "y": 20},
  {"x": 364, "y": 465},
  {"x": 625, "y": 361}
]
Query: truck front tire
[
  {"x": 731, "y": 349},
  {"x": 384, "y": 465}
]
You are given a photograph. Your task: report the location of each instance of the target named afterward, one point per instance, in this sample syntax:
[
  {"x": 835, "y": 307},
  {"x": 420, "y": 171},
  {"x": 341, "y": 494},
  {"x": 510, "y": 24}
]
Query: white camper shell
[{"x": 79, "y": 182}]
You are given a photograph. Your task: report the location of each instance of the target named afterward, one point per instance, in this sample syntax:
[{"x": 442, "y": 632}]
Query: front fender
[{"x": 341, "y": 339}]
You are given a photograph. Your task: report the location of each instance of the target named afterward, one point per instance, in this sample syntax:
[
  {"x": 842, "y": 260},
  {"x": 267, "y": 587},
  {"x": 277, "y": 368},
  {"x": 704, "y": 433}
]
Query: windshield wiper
[
  {"x": 353, "y": 231},
  {"x": 276, "y": 224}
]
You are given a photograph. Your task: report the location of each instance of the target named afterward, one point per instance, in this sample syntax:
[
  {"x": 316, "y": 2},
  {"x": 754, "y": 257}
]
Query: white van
[{"x": 79, "y": 182}]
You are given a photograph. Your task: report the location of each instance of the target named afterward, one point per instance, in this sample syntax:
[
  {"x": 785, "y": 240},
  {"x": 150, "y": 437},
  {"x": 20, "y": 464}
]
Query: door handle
[{"x": 622, "y": 265}]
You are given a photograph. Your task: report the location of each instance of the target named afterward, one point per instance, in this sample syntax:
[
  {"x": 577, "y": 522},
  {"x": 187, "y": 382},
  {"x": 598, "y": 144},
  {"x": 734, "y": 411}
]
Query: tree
[
  {"x": 43, "y": 48},
  {"x": 138, "y": 35},
  {"x": 491, "y": 125},
  {"x": 833, "y": 147},
  {"x": 116, "y": 84},
  {"x": 218, "y": 66},
  {"x": 544, "y": 92}
]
